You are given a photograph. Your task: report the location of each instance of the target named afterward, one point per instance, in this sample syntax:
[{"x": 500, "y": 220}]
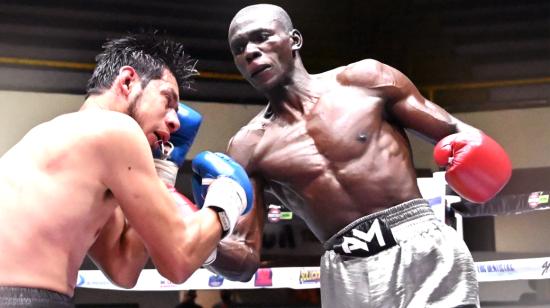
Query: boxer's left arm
[
  {"x": 477, "y": 166},
  {"x": 402, "y": 100}
]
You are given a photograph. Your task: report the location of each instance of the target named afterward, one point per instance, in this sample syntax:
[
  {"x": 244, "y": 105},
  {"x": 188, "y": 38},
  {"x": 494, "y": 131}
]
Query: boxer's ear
[
  {"x": 297, "y": 39},
  {"x": 127, "y": 77}
]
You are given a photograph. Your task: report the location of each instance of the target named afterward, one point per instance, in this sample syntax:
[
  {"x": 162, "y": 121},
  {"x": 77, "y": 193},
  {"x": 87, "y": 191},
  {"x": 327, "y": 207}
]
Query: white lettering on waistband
[{"x": 361, "y": 239}]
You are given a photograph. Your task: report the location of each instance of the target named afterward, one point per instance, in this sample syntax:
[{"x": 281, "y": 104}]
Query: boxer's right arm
[
  {"x": 238, "y": 255},
  {"x": 177, "y": 246}
]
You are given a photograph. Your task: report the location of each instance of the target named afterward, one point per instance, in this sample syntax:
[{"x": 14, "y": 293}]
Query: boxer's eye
[
  {"x": 261, "y": 36},
  {"x": 237, "y": 48}
]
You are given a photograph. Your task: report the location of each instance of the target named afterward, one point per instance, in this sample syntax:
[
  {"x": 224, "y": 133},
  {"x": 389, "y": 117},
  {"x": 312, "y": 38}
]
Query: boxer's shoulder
[
  {"x": 100, "y": 131},
  {"x": 243, "y": 144},
  {"x": 109, "y": 123},
  {"x": 257, "y": 126},
  {"x": 368, "y": 73},
  {"x": 94, "y": 121}
]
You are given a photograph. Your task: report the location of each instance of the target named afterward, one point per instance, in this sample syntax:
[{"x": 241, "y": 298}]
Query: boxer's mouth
[
  {"x": 160, "y": 140},
  {"x": 259, "y": 70},
  {"x": 162, "y": 136}
]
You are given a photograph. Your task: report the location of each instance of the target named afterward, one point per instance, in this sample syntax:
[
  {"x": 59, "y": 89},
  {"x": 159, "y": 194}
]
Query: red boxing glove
[
  {"x": 477, "y": 166},
  {"x": 185, "y": 206}
]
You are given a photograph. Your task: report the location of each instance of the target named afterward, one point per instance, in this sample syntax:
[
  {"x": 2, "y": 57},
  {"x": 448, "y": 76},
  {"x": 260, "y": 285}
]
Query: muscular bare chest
[{"x": 334, "y": 133}]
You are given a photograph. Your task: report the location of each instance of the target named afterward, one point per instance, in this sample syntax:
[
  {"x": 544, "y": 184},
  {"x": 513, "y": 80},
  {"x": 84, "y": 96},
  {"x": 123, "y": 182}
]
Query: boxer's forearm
[
  {"x": 119, "y": 251},
  {"x": 191, "y": 242},
  {"x": 133, "y": 258},
  {"x": 235, "y": 260}
]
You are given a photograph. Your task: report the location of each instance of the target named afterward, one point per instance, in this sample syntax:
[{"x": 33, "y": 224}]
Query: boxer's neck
[
  {"x": 298, "y": 95},
  {"x": 105, "y": 101}
]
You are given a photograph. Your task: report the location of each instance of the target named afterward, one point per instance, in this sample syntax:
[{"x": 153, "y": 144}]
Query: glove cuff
[
  {"x": 211, "y": 258},
  {"x": 167, "y": 171},
  {"x": 228, "y": 199}
]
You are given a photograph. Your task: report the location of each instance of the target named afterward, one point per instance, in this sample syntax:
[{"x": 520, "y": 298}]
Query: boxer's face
[
  {"x": 155, "y": 108},
  {"x": 261, "y": 51}
]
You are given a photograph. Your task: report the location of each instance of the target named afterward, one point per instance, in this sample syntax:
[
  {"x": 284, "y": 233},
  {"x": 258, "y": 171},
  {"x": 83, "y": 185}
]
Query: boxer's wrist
[
  {"x": 228, "y": 199},
  {"x": 166, "y": 170},
  {"x": 211, "y": 258}
]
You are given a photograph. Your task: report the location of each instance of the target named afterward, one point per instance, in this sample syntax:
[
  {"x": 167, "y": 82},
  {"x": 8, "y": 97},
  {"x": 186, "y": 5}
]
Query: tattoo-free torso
[
  {"x": 342, "y": 159},
  {"x": 53, "y": 204}
]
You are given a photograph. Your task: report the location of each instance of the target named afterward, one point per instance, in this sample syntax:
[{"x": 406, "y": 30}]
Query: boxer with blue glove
[
  {"x": 120, "y": 213},
  {"x": 170, "y": 156}
]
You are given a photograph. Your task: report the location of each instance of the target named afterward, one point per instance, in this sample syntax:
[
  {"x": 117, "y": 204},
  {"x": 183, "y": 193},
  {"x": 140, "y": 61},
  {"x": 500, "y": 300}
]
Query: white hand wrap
[
  {"x": 228, "y": 198},
  {"x": 167, "y": 171}
]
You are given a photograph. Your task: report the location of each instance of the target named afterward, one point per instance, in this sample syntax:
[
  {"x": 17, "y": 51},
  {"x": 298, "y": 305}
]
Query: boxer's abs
[{"x": 329, "y": 195}]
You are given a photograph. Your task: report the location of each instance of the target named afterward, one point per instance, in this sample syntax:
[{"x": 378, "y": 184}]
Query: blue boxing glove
[
  {"x": 171, "y": 155},
  {"x": 222, "y": 184}
]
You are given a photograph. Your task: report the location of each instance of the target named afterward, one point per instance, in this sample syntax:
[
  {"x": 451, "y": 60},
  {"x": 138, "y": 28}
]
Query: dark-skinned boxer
[{"x": 332, "y": 147}]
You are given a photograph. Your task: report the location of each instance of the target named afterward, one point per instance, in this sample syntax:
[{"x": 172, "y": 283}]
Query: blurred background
[{"x": 487, "y": 62}]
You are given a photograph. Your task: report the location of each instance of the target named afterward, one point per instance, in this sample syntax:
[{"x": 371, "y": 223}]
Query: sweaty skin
[
  {"x": 345, "y": 154},
  {"x": 85, "y": 182},
  {"x": 331, "y": 146},
  {"x": 53, "y": 203}
]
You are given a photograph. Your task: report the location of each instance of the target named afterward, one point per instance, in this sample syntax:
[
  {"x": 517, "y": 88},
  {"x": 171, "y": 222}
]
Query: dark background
[{"x": 474, "y": 55}]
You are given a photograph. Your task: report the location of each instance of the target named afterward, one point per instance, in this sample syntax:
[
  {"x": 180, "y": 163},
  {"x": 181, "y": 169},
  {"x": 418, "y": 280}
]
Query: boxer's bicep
[
  {"x": 131, "y": 178},
  {"x": 404, "y": 103}
]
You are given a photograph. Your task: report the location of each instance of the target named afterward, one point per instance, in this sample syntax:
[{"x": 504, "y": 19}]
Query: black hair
[{"x": 148, "y": 53}]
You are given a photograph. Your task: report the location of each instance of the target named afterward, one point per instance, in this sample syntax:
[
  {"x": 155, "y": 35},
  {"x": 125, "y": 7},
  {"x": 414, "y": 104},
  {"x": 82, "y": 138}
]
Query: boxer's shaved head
[{"x": 263, "y": 12}]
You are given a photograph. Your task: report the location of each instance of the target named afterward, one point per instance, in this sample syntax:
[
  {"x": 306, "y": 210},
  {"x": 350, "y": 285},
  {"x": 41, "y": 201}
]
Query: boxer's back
[
  {"x": 53, "y": 203},
  {"x": 342, "y": 159}
]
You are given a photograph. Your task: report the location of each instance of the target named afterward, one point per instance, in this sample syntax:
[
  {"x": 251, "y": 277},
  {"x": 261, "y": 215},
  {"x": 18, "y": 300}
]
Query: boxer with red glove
[{"x": 477, "y": 167}]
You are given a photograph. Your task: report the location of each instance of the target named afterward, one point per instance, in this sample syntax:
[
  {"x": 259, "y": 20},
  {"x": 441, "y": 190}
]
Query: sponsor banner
[
  {"x": 517, "y": 269},
  {"x": 203, "y": 279}
]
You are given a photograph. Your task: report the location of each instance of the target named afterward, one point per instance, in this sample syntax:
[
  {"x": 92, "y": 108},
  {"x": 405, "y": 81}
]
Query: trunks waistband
[
  {"x": 371, "y": 234},
  {"x": 33, "y": 293}
]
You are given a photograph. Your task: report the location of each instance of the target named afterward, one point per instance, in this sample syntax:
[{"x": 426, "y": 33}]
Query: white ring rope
[{"x": 302, "y": 277}]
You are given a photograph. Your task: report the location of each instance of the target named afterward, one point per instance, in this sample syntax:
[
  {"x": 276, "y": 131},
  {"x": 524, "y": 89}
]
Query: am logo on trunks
[{"x": 365, "y": 239}]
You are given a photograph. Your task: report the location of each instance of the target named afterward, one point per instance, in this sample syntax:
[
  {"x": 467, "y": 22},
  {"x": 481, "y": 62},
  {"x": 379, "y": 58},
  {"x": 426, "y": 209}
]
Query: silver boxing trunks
[
  {"x": 396, "y": 258},
  {"x": 16, "y": 297}
]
